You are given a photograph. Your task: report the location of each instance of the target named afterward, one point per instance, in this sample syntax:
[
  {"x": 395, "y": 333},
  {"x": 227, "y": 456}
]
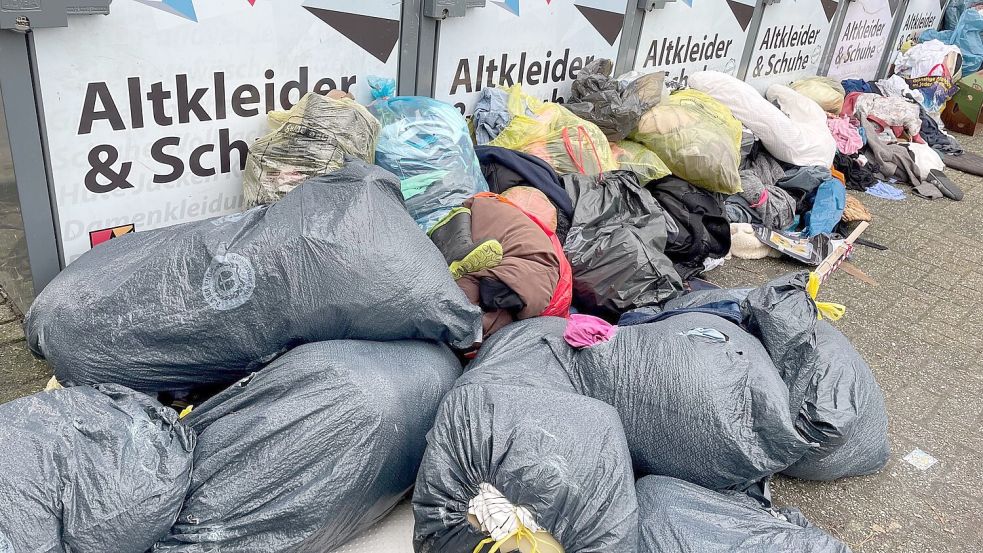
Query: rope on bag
[
  {"x": 832, "y": 311},
  {"x": 520, "y": 533},
  {"x": 578, "y": 161}
]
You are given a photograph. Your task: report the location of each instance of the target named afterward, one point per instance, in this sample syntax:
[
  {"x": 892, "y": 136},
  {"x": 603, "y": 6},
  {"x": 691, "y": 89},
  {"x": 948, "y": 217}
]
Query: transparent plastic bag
[
  {"x": 555, "y": 135},
  {"x": 697, "y": 137},
  {"x": 638, "y": 159},
  {"x": 310, "y": 139},
  {"x": 427, "y": 144}
]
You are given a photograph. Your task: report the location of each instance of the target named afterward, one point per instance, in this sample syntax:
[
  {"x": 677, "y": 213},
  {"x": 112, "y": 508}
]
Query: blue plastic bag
[
  {"x": 966, "y": 36},
  {"x": 427, "y": 144},
  {"x": 827, "y": 208}
]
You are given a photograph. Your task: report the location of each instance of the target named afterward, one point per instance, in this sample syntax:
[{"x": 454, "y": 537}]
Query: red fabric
[
  {"x": 559, "y": 305},
  {"x": 850, "y": 103}
]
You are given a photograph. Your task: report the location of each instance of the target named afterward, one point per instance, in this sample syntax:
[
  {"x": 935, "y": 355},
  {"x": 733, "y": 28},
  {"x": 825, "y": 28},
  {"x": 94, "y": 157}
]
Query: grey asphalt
[{"x": 921, "y": 330}]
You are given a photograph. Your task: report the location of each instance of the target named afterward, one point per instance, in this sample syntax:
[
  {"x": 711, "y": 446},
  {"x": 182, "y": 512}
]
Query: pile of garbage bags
[
  {"x": 285, "y": 376},
  {"x": 701, "y": 401}
]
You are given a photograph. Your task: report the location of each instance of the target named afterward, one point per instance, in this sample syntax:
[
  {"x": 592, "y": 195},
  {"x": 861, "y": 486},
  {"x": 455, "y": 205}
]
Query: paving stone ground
[{"x": 921, "y": 330}]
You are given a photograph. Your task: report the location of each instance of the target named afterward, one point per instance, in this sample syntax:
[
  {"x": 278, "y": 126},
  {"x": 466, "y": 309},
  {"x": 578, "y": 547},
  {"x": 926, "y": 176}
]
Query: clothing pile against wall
[{"x": 324, "y": 330}]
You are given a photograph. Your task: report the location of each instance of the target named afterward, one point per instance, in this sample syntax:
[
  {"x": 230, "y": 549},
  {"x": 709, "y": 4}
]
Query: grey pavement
[{"x": 920, "y": 329}]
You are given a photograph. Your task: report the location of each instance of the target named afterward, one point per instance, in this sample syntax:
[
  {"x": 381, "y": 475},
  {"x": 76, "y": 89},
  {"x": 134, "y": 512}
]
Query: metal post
[
  {"x": 409, "y": 46},
  {"x": 892, "y": 38},
  {"x": 21, "y": 107},
  {"x": 631, "y": 34},
  {"x": 834, "y": 36},
  {"x": 753, "y": 30},
  {"x": 429, "y": 34}
]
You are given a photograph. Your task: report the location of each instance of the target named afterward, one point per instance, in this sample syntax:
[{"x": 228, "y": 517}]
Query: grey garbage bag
[
  {"x": 99, "y": 468},
  {"x": 834, "y": 397},
  {"x": 310, "y": 139},
  {"x": 313, "y": 449},
  {"x": 518, "y": 355},
  {"x": 844, "y": 411},
  {"x": 554, "y": 461},
  {"x": 614, "y": 106},
  {"x": 699, "y": 398},
  {"x": 208, "y": 302},
  {"x": 832, "y": 392},
  {"x": 679, "y": 517},
  {"x": 615, "y": 245}
]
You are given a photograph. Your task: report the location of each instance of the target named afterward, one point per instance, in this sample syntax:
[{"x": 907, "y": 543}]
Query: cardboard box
[{"x": 962, "y": 112}]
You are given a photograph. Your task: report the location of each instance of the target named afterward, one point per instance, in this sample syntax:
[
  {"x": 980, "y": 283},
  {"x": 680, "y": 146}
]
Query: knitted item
[
  {"x": 855, "y": 211},
  {"x": 744, "y": 244}
]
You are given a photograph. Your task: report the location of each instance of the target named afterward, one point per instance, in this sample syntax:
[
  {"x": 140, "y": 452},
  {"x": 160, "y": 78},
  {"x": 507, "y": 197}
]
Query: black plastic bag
[
  {"x": 699, "y": 398},
  {"x": 615, "y": 245},
  {"x": 679, "y": 517},
  {"x": 313, "y": 449},
  {"x": 99, "y": 468},
  {"x": 615, "y": 107},
  {"x": 557, "y": 461},
  {"x": 208, "y": 302},
  {"x": 698, "y": 225},
  {"x": 844, "y": 408}
]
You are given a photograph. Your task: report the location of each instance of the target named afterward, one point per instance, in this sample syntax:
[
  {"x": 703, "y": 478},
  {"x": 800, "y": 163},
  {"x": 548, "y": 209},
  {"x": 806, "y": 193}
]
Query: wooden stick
[{"x": 828, "y": 265}]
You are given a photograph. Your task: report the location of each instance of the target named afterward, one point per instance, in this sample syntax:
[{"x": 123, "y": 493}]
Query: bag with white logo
[{"x": 208, "y": 302}]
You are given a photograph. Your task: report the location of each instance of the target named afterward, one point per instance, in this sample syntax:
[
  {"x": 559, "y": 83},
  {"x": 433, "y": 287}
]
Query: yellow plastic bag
[
  {"x": 552, "y": 133},
  {"x": 697, "y": 137},
  {"x": 826, "y": 92},
  {"x": 635, "y": 157}
]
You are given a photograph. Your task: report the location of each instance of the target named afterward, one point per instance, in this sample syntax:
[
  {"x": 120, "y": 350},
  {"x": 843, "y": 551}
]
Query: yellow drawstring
[
  {"x": 520, "y": 533},
  {"x": 832, "y": 311},
  {"x": 185, "y": 412}
]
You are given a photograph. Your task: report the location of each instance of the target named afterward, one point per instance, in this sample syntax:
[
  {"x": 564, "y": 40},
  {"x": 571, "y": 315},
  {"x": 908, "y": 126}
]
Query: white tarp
[
  {"x": 694, "y": 35},
  {"x": 149, "y": 111},
  {"x": 790, "y": 41},
  {"x": 541, "y": 45},
  {"x": 860, "y": 45}
]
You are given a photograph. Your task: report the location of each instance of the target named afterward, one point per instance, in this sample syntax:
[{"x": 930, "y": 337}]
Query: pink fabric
[
  {"x": 847, "y": 136},
  {"x": 584, "y": 331},
  {"x": 762, "y": 199}
]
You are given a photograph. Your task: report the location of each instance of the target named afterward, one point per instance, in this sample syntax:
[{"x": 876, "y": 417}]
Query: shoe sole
[{"x": 487, "y": 255}]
